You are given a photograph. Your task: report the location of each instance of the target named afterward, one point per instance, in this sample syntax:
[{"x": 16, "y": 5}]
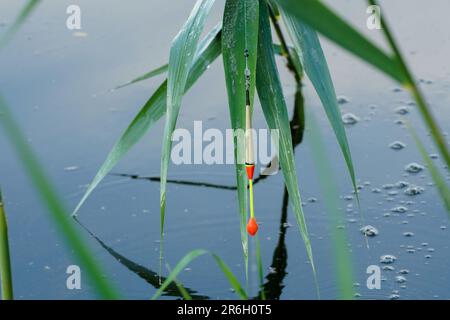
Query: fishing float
[{"x": 252, "y": 226}]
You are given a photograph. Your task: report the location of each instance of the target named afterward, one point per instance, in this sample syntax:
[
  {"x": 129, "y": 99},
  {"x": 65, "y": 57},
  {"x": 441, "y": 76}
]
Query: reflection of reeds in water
[
  {"x": 272, "y": 288},
  {"x": 148, "y": 275}
]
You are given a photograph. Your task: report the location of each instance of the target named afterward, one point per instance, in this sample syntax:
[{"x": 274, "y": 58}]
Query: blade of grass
[
  {"x": 321, "y": 18},
  {"x": 5, "y": 259},
  {"x": 54, "y": 205},
  {"x": 240, "y": 30},
  {"x": 153, "y": 110},
  {"x": 260, "y": 268},
  {"x": 20, "y": 19},
  {"x": 275, "y": 111},
  {"x": 183, "y": 291},
  {"x": 181, "y": 57},
  {"x": 163, "y": 69},
  {"x": 330, "y": 191},
  {"x": 311, "y": 55},
  {"x": 145, "y": 76},
  {"x": 416, "y": 93},
  {"x": 188, "y": 258},
  {"x": 438, "y": 179}
]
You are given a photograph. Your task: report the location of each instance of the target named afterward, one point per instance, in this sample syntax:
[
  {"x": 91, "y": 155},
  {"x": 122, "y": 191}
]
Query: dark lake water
[{"x": 59, "y": 86}]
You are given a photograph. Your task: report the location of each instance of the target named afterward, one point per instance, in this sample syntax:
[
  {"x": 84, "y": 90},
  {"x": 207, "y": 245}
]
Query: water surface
[{"x": 59, "y": 87}]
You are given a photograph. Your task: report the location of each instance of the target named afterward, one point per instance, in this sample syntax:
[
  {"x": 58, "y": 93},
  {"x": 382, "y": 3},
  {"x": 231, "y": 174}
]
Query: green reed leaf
[
  {"x": 274, "y": 107},
  {"x": 5, "y": 258},
  {"x": 181, "y": 58},
  {"x": 18, "y": 22},
  {"x": 417, "y": 94},
  {"x": 318, "y": 16},
  {"x": 328, "y": 185},
  {"x": 313, "y": 60},
  {"x": 153, "y": 73},
  {"x": 154, "y": 109},
  {"x": 240, "y": 32},
  {"x": 437, "y": 176},
  {"x": 55, "y": 206}
]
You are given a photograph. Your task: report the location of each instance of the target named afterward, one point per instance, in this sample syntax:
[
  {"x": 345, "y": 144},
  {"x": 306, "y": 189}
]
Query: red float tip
[
  {"x": 250, "y": 170},
  {"x": 252, "y": 227}
]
